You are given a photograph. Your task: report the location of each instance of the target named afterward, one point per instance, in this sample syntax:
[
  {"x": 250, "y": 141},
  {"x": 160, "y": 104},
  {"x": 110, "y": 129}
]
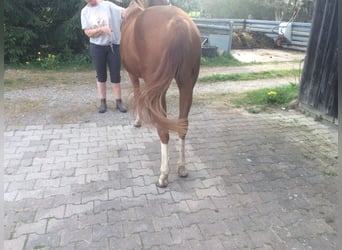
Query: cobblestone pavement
[{"x": 263, "y": 181}]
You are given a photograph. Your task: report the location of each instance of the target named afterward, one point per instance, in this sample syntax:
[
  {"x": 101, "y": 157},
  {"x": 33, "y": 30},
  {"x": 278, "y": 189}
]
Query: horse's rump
[{"x": 167, "y": 44}]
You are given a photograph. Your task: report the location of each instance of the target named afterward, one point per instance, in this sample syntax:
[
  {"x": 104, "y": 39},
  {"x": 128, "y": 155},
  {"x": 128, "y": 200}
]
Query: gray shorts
[{"x": 106, "y": 55}]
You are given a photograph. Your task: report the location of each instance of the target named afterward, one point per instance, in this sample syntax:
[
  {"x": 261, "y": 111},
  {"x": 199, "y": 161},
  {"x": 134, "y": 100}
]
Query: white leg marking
[
  {"x": 164, "y": 167},
  {"x": 137, "y": 122},
  {"x": 181, "y": 160}
]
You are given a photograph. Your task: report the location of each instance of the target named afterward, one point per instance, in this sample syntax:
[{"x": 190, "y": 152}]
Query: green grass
[
  {"x": 330, "y": 173},
  {"x": 67, "y": 66},
  {"x": 225, "y": 60},
  {"x": 249, "y": 76},
  {"x": 261, "y": 99},
  {"x": 15, "y": 81},
  {"x": 8, "y": 81}
]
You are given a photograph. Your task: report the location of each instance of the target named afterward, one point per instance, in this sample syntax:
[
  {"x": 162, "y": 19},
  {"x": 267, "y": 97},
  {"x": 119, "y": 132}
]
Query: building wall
[{"x": 318, "y": 90}]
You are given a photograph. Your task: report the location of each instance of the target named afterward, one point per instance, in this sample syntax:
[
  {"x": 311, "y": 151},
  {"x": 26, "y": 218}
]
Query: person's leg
[
  {"x": 114, "y": 62},
  {"x": 117, "y": 95},
  {"x": 98, "y": 55},
  {"x": 101, "y": 88}
]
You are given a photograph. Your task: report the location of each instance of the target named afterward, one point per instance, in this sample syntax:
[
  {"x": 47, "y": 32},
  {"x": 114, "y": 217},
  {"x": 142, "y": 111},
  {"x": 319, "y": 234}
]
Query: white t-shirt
[{"x": 105, "y": 13}]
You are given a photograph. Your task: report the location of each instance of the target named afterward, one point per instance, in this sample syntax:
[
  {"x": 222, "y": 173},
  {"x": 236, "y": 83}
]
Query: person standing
[{"x": 101, "y": 22}]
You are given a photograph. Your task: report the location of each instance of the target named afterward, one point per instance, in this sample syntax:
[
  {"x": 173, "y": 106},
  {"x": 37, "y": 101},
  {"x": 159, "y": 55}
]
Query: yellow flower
[
  {"x": 27, "y": 63},
  {"x": 272, "y": 93},
  {"x": 39, "y": 59},
  {"x": 38, "y": 53}
]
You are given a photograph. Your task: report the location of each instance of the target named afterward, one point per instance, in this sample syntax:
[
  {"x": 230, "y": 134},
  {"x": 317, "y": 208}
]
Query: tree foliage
[
  {"x": 187, "y": 5},
  {"x": 280, "y": 10},
  {"x": 48, "y": 26}
]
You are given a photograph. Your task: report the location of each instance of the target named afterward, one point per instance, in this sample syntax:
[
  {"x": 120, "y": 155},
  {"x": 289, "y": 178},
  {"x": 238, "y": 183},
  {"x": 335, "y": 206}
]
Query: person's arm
[
  {"x": 98, "y": 31},
  {"x": 117, "y": 9}
]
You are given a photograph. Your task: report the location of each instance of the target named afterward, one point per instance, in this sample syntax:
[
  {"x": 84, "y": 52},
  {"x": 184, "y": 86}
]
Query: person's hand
[{"x": 106, "y": 30}]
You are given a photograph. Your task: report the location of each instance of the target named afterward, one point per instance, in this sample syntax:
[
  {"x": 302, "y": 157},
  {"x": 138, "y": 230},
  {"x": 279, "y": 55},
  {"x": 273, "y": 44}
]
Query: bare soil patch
[{"x": 251, "y": 40}]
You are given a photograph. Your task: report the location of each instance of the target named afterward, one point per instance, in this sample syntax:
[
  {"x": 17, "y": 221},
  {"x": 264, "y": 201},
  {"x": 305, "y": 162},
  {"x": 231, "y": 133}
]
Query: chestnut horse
[{"x": 159, "y": 44}]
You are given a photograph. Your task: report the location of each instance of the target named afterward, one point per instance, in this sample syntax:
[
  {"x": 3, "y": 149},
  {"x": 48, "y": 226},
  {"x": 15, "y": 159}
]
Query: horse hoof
[
  {"x": 182, "y": 172},
  {"x": 137, "y": 125},
  {"x": 162, "y": 184}
]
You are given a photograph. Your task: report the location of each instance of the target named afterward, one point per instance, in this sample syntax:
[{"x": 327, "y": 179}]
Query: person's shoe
[
  {"x": 103, "y": 106},
  {"x": 120, "y": 106}
]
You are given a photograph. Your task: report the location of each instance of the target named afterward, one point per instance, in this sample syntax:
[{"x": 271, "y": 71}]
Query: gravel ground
[{"x": 48, "y": 97}]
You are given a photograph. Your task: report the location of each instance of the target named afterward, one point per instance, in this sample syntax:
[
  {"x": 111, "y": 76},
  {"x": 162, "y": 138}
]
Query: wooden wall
[{"x": 319, "y": 87}]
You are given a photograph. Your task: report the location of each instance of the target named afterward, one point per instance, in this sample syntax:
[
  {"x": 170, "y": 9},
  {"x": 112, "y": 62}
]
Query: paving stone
[
  {"x": 175, "y": 208},
  {"x": 196, "y": 205},
  {"x": 131, "y": 202},
  {"x": 180, "y": 235},
  {"x": 35, "y": 227},
  {"x": 214, "y": 243},
  {"x": 122, "y": 215},
  {"x": 16, "y": 243},
  {"x": 166, "y": 222},
  {"x": 146, "y": 212},
  {"x": 57, "y": 225},
  {"x": 68, "y": 236},
  {"x": 107, "y": 230},
  {"x": 156, "y": 239},
  {"x": 97, "y": 245},
  {"x": 208, "y": 192},
  {"x": 46, "y": 241},
  {"x": 38, "y": 194},
  {"x": 90, "y": 219},
  {"x": 78, "y": 209},
  {"x": 95, "y": 196},
  {"x": 131, "y": 242},
  {"x": 142, "y": 190},
  {"x": 57, "y": 212},
  {"x": 255, "y": 182},
  {"x": 138, "y": 226},
  {"x": 65, "y": 190}
]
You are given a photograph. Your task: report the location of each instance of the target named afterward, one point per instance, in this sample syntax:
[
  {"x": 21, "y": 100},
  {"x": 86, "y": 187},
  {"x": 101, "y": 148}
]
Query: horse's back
[
  {"x": 157, "y": 25},
  {"x": 166, "y": 32}
]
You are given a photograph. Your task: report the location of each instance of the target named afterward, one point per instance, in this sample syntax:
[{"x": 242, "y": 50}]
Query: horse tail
[{"x": 150, "y": 106}]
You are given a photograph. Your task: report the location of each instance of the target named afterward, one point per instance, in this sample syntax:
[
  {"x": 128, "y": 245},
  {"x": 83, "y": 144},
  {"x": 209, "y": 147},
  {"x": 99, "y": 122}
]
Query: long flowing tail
[{"x": 149, "y": 105}]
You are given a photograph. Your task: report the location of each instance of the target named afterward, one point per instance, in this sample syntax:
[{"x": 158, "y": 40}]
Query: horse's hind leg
[
  {"x": 164, "y": 166},
  {"x": 182, "y": 172},
  {"x": 164, "y": 142},
  {"x": 136, "y": 93},
  {"x": 185, "y": 102}
]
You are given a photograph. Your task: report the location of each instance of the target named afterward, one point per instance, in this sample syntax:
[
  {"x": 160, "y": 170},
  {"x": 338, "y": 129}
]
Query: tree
[
  {"x": 281, "y": 10},
  {"x": 41, "y": 25},
  {"x": 187, "y": 5}
]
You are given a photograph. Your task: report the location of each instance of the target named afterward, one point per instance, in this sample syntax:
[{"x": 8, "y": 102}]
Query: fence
[{"x": 296, "y": 33}]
